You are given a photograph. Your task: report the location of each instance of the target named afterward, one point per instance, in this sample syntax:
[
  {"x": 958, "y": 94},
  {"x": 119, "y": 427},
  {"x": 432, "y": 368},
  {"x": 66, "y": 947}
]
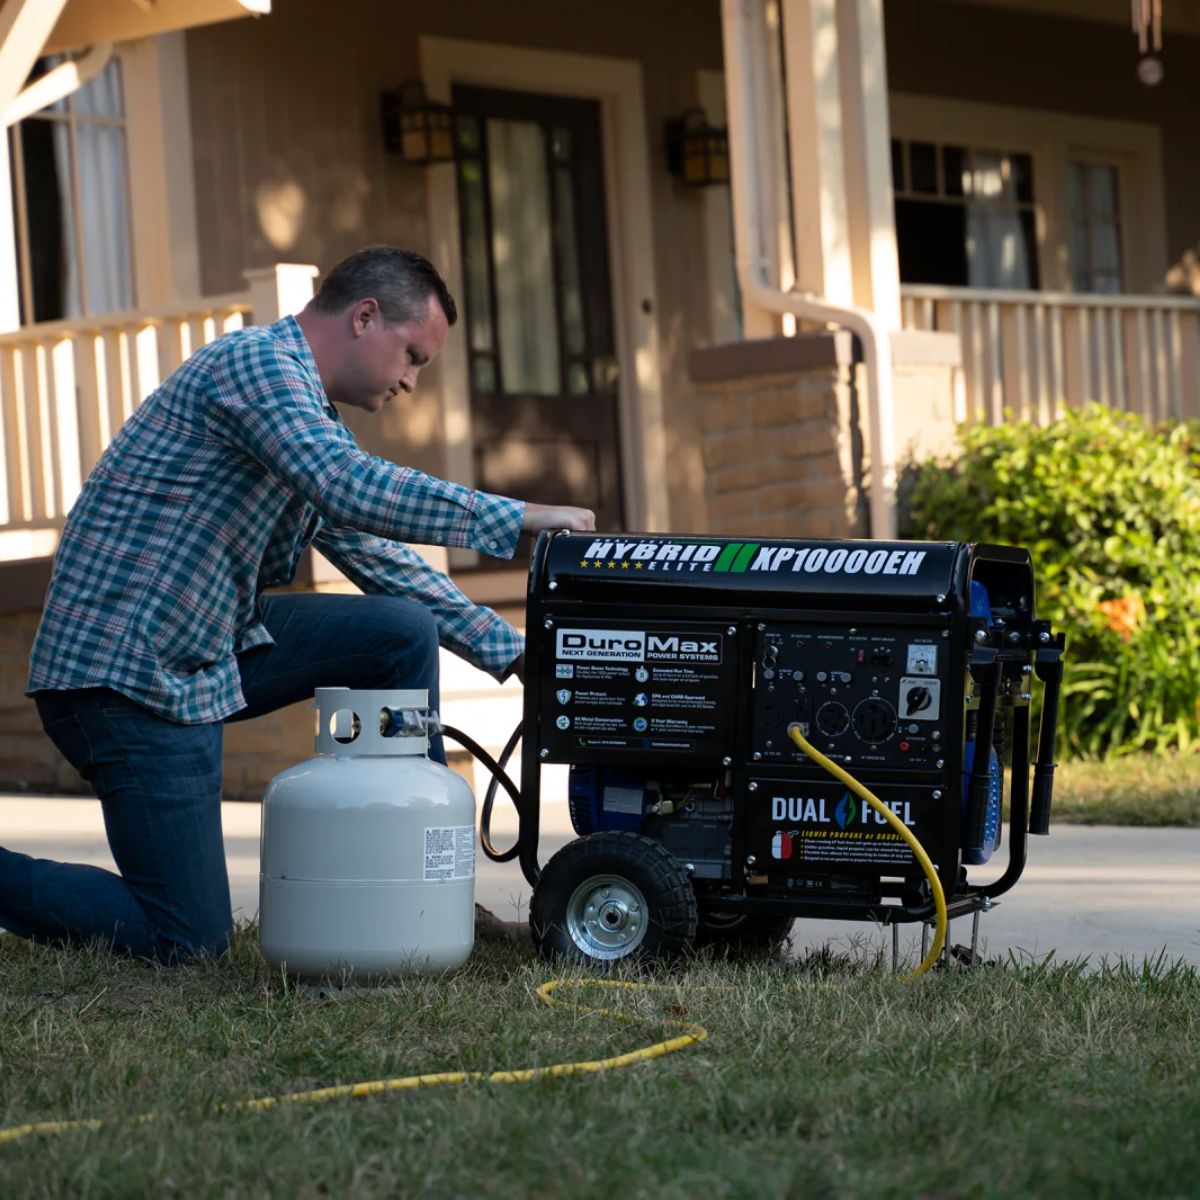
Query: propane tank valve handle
[{"x": 408, "y": 722}]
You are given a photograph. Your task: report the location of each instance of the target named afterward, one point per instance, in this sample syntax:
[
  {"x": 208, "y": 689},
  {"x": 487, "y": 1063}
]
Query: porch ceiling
[
  {"x": 87, "y": 22},
  {"x": 1179, "y": 16}
]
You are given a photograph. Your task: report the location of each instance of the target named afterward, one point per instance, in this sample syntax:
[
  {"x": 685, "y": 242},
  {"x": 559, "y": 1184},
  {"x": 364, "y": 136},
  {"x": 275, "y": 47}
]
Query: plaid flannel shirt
[{"x": 210, "y": 493}]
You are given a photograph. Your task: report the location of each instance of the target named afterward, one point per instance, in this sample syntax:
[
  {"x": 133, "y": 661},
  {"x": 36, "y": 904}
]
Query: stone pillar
[
  {"x": 779, "y": 427},
  {"x": 786, "y": 448}
]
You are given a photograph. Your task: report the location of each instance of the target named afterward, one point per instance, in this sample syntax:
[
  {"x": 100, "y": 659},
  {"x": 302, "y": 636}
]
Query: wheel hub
[{"x": 607, "y": 917}]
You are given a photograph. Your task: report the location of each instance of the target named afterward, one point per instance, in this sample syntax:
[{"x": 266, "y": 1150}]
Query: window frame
[
  {"x": 1054, "y": 139},
  {"x": 69, "y": 118},
  {"x": 1120, "y": 219}
]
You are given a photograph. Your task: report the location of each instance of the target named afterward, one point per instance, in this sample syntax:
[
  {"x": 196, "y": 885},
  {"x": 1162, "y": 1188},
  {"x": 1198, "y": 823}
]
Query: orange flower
[{"x": 1123, "y": 614}]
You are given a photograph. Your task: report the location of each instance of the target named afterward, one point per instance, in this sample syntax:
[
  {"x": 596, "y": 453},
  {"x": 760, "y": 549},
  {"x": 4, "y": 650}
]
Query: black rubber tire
[
  {"x": 742, "y": 935},
  {"x": 670, "y": 924}
]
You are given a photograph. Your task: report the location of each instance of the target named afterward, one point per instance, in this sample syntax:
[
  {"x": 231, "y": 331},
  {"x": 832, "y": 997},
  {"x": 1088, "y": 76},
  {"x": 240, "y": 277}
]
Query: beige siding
[{"x": 288, "y": 146}]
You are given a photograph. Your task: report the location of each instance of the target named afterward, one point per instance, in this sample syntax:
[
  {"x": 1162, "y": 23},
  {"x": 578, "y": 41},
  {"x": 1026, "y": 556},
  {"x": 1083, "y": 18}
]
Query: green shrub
[{"x": 1110, "y": 511}]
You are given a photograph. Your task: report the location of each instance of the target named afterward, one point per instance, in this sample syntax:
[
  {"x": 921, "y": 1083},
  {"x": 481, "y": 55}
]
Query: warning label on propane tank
[{"x": 449, "y": 852}]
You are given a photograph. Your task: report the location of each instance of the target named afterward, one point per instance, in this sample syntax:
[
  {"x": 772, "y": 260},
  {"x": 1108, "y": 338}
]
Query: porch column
[
  {"x": 839, "y": 151},
  {"x": 161, "y": 180},
  {"x": 760, "y": 79}
]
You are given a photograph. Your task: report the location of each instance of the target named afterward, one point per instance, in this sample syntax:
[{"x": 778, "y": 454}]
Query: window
[
  {"x": 1095, "y": 223},
  {"x": 71, "y": 201},
  {"x": 965, "y": 216}
]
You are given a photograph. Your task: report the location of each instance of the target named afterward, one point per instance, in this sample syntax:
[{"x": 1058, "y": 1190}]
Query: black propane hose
[{"x": 499, "y": 778}]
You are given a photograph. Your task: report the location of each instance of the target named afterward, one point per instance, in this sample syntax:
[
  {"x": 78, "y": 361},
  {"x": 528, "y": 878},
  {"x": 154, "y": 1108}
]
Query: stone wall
[
  {"x": 784, "y": 431},
  {"x": 254, "y": 750},
  {"x": 28, "y": 759},
  {"x": 780, "y": 432}
]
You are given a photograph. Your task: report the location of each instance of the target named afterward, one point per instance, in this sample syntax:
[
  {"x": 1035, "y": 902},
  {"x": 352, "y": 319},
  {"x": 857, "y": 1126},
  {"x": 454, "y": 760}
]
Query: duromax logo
[{"x": 846, "y": 811}]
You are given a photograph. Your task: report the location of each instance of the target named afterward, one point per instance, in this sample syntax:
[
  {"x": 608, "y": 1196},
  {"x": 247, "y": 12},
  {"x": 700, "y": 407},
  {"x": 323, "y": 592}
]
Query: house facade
[{"x": 937, "y": 210}]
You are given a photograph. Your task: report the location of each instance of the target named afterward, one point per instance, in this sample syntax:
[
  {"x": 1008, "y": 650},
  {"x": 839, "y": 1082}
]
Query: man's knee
[
  {"x": 410, "y": 634},
  {"x": 178, "y": 947}
]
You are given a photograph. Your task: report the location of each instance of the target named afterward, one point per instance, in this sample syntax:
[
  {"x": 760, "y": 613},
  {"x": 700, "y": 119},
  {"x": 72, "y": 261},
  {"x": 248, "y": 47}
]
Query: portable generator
[{"x": 667, "y": 672}]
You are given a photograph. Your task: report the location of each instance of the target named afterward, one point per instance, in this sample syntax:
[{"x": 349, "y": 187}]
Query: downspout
[{"x": 758, "y": 290}]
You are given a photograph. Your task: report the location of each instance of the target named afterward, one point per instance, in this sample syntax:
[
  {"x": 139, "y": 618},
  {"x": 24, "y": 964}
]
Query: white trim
[
  {"x": 24, "y": 27},
  {"x": 1053, "y": 139},
  {"x": 58, "y": 83},
  {"x": 10, "y": 280},
  {"x": 617, "y": 85}
]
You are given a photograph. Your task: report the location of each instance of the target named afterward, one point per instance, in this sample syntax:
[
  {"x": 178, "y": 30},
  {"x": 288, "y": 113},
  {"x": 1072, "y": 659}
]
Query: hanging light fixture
[
  {"x": 1147, "y": 24},
  {"x": 420, "y": 130}
]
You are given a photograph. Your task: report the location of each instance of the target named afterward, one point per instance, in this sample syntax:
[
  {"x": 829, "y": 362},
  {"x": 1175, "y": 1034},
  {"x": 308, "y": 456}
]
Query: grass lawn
[
  {"x": 818, "y": 1079},
  {"x": 1139, "y": 790}
]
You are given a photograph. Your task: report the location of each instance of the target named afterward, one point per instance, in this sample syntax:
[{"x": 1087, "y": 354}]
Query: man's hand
[
  {"x": 557, "y": 516},
  {"x": 517, "y": 668}
]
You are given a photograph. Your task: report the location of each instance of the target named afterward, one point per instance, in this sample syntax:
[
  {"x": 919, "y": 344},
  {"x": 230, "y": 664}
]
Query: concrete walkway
[{"x": 1099, "y": 892}]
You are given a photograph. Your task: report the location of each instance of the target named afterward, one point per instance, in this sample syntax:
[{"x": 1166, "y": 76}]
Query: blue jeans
[{"x": 159, "y": 782}]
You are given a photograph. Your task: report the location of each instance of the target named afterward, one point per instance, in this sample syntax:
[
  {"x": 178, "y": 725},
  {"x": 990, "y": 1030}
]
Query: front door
[{"x": 537, "y": 299}]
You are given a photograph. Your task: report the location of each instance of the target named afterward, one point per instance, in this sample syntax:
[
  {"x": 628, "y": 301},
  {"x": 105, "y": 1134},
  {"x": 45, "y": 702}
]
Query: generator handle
[
  {"x": 987, "y": 677},
  {"x": 1049, "y": 667},
  {"x": 1018, "y": 816}
]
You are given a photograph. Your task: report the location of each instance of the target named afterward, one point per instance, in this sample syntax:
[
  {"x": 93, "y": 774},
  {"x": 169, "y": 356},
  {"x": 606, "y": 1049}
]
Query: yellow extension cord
[
  {"x": 692, "y": 1035},
  {"x": 865, "y": 794}
]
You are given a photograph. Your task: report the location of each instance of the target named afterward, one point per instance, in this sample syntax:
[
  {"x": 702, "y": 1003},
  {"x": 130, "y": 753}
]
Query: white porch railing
[
  {"x": 66, "y": 387},
  {"x": 1036, "y": 353}
]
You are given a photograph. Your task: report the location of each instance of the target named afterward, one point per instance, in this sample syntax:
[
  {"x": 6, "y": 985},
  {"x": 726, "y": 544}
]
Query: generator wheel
[
  {"x": 610, "y": 897},
  {"x": 742, "y": 935}
]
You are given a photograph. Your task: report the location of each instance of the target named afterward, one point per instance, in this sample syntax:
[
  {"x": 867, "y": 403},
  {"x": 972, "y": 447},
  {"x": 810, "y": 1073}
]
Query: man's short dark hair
[{"x": 400, "y": 280}]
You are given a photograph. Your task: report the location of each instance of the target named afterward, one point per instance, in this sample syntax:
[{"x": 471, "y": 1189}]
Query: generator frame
[{"x": 1001, "y": 652}]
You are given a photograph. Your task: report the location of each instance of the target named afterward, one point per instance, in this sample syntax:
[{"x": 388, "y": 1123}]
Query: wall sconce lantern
[
  {"x": 420, "y": 130},
  {"x": 697, "y": 152}
]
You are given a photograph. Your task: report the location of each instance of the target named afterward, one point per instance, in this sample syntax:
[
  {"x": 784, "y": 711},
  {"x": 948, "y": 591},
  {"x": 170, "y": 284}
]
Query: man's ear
[{"x": 365, "y": 314}]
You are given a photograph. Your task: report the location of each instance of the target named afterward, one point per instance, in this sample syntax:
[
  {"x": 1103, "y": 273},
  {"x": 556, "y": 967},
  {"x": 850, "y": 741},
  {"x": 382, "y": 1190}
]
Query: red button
[{"x": 905, "y": 747}]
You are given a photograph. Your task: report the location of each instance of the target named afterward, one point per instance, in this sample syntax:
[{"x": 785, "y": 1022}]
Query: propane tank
[{"x": 368, "y": 849}]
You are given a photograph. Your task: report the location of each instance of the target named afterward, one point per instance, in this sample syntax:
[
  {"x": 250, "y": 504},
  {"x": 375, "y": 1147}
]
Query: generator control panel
[{"x": 869, "y": 694}]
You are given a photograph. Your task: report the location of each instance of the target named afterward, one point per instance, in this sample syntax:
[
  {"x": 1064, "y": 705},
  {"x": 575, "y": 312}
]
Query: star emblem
[
  {"x": 597, "y": 563},
  {"x": 611, "y": 565},
  {"x": 624, "y": 566},
  {"x": 584, "y": 563},
  {"x": 637, "y": 566}
]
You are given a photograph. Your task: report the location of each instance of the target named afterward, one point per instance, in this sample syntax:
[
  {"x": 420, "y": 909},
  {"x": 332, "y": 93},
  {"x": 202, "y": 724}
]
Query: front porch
[{"x": 67, "y": 386}]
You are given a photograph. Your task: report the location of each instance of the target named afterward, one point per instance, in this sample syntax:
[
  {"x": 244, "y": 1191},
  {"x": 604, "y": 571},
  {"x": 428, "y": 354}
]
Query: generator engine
[{"x": 667, "y": 671}]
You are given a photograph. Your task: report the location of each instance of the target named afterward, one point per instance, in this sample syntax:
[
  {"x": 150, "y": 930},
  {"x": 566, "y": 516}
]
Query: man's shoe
[{"x": 489, "y": 928}]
